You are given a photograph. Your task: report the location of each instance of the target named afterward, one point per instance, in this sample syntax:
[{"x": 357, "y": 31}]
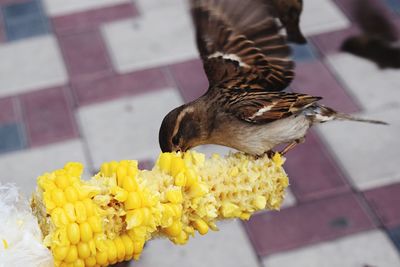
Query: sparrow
[
  {"x": 288, "y": 12},
  {"x": 247, "y": 64},
  {"x": 378, "y": 41}
]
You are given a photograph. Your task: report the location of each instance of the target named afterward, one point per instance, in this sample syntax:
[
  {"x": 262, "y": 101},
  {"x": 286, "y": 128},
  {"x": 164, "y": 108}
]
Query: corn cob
[{"x": 109, "y": 218}]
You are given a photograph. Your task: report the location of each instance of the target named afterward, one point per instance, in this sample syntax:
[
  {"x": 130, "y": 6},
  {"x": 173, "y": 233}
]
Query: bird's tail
[{"x": 323, "y": 114}]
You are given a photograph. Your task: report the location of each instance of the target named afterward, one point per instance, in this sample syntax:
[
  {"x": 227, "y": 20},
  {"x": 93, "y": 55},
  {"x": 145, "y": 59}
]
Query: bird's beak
[{"x": 295, "y": 35}]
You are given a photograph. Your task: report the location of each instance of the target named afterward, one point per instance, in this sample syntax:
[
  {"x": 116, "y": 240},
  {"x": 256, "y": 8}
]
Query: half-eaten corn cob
[{"x": 109, "y": 218}]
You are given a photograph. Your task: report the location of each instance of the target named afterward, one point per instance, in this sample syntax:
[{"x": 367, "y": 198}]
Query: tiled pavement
[{"x": 90, "y": 80}]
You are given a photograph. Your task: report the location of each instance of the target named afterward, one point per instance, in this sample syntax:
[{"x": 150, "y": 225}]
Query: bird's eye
[{"x": 175, "y": 140}]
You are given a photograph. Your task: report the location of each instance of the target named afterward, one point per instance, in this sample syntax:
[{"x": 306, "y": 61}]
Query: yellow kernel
[
  {"x": 71, "y": 194},
  {"x": 174, "y": 196},
  {"x": 121, "y": 174},
  {"x": 180, "y": 179},
  {"x": 201, "y": 226},
  {"x": 60, "y": 253},
  {"x": 198, "y": 158},
  {"x": 111, "y": 250},
  {"x": 58, "y": 197},
  {"x": 133, "y": 201},
  {"x": 91, "y": 261},
  {"x": 260, "y": 202},
  {"x": 234, "y": 172},
  {"x": 69, "y": 209},
  {"x": 80, "y": 211},
  {"x": 46, "y": 184},
  {"x": 134, "y": 218},
  {"x": 120, "y": 248},
  {"x": 73, "y": 233},
  {"x": 198, "y": 189},
  {"x": 181, "y": 239},
  {"x": 130, "y": 184},
  {"x": 177, "y": 166},
  {"x": 88, "y": 206},
  {"x": 72, "y": 254},
  {"x": 85, "y": 231},
  {"x": 48, "y": 201},
  {"x": 102, "y": 258},
  {"x": 74, "y": 168},
  {"x": 138, "y": 246},
  {"x": 92, "y": 247},
  {"x": 128, "y": 244},
  {"x": 83, "y": 250},
  {"x": 59, "y": 217},
  {"x": 79, "y": 263},
  {"x": 245, "y": 216},
  {"x": 82, "y": 191},
  {"x": 95, "y": 224},
  {"x": 177, "y": 210},
  {"x": 99, "y": 240},
  {"x": 60, "y": 237},
  {"x": 61, "y": 181},
  {"x": 121, "y": 195},
  {"x": 191, "y": 177},
  {"x": 164, "y": 162},
  {"x": 229, "y": 210},
  {"x": 175, "y": 229}
]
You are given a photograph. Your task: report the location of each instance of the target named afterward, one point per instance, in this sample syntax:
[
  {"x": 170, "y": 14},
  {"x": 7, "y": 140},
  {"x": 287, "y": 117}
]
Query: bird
[
  {"x": 248, "y": 66},
  {"x": 288, "y": 12},
  {"x": 379, "y": 40}
]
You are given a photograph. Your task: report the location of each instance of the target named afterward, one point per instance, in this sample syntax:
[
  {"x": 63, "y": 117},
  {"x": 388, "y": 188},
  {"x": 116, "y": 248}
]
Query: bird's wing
[
  {"x": 258, "y": 107},
  {"x": 373, "y": 21},
  {"x": 238, "y": 38}
]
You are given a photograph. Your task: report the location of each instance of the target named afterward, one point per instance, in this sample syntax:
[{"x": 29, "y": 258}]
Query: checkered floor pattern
[{"x": 90, "y": 81}]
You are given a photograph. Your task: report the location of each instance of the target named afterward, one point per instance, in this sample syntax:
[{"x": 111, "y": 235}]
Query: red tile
[
  {"x": 313, "y": 172},
  {"x": 117, "y": 85},
  {"x": 330, "y": 42},
  {"x": 48, "y": 116},
  {"x": 85, "y": 54},
  {"x": 91, "y": 19},
  {"x": 385, "y": 203},
  {"x": 190, "y": 78},
  {"x": 323, "y": 84},
  {"x": 309, "y": 223},
  {"x": 7, "y": 110}
]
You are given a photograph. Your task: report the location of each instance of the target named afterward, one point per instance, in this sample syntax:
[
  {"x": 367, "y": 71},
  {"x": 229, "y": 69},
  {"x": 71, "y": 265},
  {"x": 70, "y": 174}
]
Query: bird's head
[{"x": 180, "y": 130}]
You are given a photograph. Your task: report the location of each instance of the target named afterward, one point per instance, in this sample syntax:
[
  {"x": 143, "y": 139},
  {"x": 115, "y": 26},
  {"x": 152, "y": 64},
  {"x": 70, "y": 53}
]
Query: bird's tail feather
[
  {"x": 348, "y": 117},
  {"x": 323, "y": 114}
]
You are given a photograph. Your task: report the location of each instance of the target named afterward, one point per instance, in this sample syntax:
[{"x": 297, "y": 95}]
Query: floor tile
[
  {"x": 146, "y": 6},
  {"x": 11, "y": 137},
  {"x": 325, "y": 85},
  {"x": 374, "y": 88},
  {"x": 372, "y": 248},
  {"x": 213, "y": 250},
  {"x": 384, "y": 201},
  {"x": 313, "y": 171},
  {"x": 190, "y": 78},
  {"x": 7, "y": 110},
  {"x": 24, "y": 166},
  {"x": 62, "y": 7},
  {"x": 329, "y": 43},
  {"x": 348, "y": 7},
  {"x": 117, "y": 85},
  {"x": 309, "y": 223},
  {"x": 322, "y": 16},
  {"x": 144, "y": 33},
  {"x": 2, "y": 29},
  {"x": 393, "y": 5},
  {"x": 126, "y": 128},
  {"x": 85, "y": 54},
  {"x": 303, "y": 53},
  {"x": 48, "y": 116},
  {"x": 91, "y": 19},
  {"x": 29, "y": 65},
  {"x": 395, "y": 236},
  {"x": 367, "y": 152},
  {"x": 24, "y": 20}
]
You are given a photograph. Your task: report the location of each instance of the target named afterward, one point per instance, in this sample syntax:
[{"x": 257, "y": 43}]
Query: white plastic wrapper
[{"x": 20, "y": 236}]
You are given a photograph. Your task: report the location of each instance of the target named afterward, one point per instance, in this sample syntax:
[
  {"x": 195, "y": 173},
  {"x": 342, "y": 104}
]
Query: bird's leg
[
  {"x": 270, "y": 153},
  {"x": 291, "y": 146}
]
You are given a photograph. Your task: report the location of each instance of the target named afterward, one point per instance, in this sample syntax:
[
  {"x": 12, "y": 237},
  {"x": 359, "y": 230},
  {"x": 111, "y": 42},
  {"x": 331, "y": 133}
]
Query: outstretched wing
[
  {"x": 239, "y": 39},
  {"x": 373, "y": 21},
  {"x": 258, "y": 106}
]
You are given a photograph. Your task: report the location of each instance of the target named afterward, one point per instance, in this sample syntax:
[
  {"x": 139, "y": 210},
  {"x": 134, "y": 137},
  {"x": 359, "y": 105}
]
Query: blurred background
[{"x": 91, "y": 80}]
